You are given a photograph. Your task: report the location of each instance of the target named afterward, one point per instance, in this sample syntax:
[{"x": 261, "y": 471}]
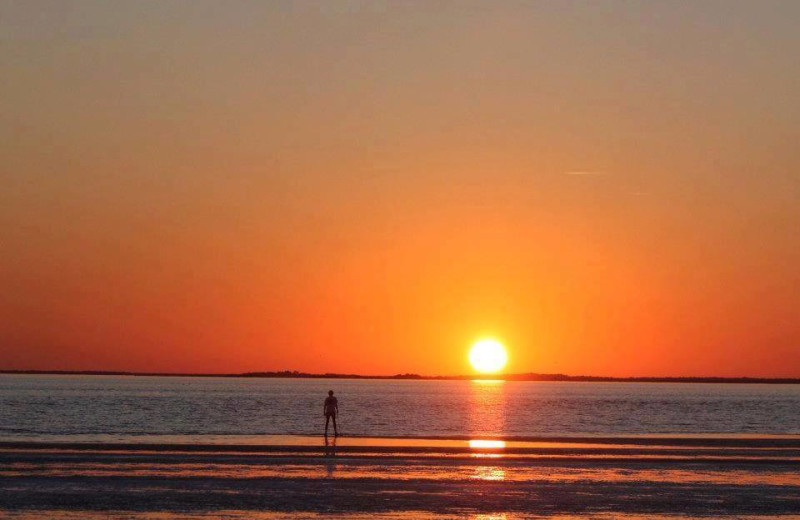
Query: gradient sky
[{"x": 608, "y": 187}]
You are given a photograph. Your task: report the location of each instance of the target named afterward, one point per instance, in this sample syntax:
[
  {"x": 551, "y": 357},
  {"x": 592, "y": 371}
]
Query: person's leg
[
  {"x": 327, "y": 419},
  {"x": 335, "y": 431}
]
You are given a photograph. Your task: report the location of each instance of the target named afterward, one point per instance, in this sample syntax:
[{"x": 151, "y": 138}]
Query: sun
[{"x": 488, "y": 356}]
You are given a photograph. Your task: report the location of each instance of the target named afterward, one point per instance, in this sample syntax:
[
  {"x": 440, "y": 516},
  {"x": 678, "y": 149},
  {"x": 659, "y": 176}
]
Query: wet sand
[{"x": 299, "y": 477}]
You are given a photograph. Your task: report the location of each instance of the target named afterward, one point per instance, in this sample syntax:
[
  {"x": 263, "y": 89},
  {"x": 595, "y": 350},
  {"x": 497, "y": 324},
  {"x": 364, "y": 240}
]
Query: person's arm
[{"x": 337, "y": 407}]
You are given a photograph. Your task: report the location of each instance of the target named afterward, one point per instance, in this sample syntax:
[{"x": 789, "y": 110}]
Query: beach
[
  {"x": 78, "y": 447},
  {"x": 300, "y": 477}
]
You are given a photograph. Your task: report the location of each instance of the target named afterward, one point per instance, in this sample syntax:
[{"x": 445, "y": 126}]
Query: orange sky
[{"x": 609, "y": 188}]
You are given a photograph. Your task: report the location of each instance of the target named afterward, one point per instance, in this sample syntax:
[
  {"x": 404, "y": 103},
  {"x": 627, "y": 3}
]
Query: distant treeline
[{"x": 507, "y": 377}]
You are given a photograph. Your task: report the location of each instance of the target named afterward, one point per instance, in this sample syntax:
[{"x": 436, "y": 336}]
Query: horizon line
[{"x": 523, "y": 376}]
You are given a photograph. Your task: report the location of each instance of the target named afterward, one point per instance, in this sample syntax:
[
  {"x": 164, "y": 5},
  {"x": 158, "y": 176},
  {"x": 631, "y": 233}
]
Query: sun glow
[{"x": 488, "y": 356}]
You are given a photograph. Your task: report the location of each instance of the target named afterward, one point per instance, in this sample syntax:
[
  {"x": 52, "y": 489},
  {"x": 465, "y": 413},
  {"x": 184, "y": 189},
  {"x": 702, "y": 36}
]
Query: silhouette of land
[{"x": 506, "y": 377}]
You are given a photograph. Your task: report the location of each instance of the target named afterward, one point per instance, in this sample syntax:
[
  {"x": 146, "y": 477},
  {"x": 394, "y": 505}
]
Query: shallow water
[
  {"x": 37, "y": 406},
  {"x": 296, "y": 476},
  {"x": 57, "y": 481},
  {"x": 412, "y": 515}
]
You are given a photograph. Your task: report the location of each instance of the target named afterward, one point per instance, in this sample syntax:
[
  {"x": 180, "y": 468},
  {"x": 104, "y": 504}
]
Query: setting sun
[{"x": 488, "y": 356}]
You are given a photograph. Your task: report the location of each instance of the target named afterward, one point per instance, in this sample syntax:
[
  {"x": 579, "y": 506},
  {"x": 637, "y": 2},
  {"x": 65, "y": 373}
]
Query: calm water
[{"x": 39, "y": 406}]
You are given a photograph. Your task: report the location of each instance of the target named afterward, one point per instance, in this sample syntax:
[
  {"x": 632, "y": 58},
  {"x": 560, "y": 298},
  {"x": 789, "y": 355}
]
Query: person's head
[{"x": 330, "y": 392}]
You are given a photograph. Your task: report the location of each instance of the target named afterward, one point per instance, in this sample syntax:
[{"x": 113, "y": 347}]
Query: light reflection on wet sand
[
  {"x": 481, "y": 444},
  {"x": 343, "y": 468},
  {"x": 489, "y": 473},
  {"x": 410, "y": 515},
  {"x": 485, "y": 474},
  {"x": 253, "y": 443}
]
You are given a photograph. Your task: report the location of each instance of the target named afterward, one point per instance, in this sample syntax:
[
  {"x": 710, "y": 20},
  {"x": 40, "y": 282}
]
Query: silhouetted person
[{"x": 331, "y": 409}]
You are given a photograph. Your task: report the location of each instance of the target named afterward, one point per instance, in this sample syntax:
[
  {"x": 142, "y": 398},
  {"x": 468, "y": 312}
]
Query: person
[{"x": 330, "y": 410}]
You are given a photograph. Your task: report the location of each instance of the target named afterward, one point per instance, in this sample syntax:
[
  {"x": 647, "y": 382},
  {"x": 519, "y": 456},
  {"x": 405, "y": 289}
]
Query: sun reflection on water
[
  {"x": 489, "y": 473},
  {"x": 483, "y": 444},
  {"x": 487, "y": 409}
]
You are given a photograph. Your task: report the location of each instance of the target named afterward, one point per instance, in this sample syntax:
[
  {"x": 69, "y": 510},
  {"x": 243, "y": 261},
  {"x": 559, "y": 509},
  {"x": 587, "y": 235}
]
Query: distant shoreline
[{"x": 416, "y": 377}]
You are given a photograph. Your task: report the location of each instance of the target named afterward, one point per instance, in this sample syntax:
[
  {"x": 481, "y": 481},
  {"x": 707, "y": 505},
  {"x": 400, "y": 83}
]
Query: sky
[{"x": 607, "y": 187}]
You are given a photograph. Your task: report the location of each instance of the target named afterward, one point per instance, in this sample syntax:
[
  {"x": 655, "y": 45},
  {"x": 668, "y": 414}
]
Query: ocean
[{"x": 50, "y": 407}]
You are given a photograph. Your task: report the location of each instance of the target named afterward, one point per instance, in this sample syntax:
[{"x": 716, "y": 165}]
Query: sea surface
[
  {"x": 123, "y": 448},
  {"x": 120, "y": 408}
]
